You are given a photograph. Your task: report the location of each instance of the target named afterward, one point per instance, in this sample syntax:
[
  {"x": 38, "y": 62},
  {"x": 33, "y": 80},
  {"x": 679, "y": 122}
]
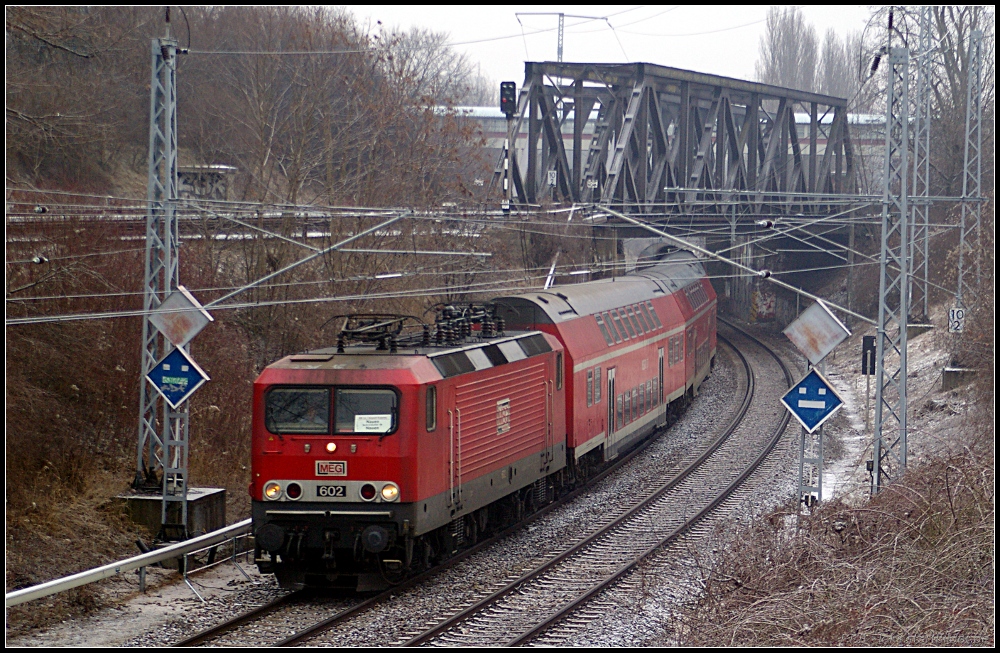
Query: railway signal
[
  {"x": 508, "y": 105},
  {"x": 508, "y": 98},
  {"x": 816, "y": 333},
  {"x": 812, "y": 401},
  {"x": 176, "y": 377}
]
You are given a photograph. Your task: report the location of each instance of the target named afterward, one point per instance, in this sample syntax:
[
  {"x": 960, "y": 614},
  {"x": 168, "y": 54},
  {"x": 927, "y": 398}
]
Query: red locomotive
[{"x": 389, "y": 451}]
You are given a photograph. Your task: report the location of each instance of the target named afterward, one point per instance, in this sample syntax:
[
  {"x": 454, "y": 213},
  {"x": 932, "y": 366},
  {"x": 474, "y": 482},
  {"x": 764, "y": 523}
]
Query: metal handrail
[{"x": 84, "y": 577}]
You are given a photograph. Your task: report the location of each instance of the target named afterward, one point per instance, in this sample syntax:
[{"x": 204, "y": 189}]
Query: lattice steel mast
[
  {"x": 163, "y": 436},
  {"x": 972, "y": 174},
  {"x": 919, "y": 256},
  {"x": 890, "y": 370}
]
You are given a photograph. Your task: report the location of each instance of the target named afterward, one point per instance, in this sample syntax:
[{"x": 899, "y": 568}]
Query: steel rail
[
  {"x": 568, "y": 609},
  {"x": 239, "y": 620},
  {"x": 261, "y": 611},
  {"x": 657, "y": 493}
]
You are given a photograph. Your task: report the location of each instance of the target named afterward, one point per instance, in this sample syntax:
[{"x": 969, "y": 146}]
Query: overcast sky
[{"x": 721, "y": 40}]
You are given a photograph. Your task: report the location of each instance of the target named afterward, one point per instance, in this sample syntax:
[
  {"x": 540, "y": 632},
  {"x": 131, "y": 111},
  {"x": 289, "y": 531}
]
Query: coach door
[
  {"x": 689, "y": 369},
  {"x": 659, "y": 399},
  {"x": 610, "y": 397}
]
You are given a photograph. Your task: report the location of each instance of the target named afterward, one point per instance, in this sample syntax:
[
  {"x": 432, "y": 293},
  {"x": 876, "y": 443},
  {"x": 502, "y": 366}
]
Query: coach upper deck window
[
  {"x": 297, "y": 410},
  {"x": 652, "y": 312},
  {"x": 364, "y": 410}
]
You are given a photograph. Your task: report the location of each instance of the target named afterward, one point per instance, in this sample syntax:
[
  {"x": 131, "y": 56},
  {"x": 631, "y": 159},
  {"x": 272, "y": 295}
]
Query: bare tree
[
  {"x": 423, "y": 61},
  {"x": 74, "y": 87},
  {"x": 788, "y": 50},
  {"x": 839, "y": 65}
]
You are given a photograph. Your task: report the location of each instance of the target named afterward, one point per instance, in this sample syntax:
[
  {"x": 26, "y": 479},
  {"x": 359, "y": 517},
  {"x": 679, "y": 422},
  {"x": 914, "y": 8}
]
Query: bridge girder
[{"x": 656, "y": 140}]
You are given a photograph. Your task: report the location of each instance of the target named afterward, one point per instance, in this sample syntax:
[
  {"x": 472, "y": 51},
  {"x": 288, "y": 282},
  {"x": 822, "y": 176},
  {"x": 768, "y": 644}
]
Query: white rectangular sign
[
  {"x": 503, "y": 416},
  {"x": 372, "y": 423},
  {"x": 180, "y": 317},
  {"x": 956, "y": 320},
  {"x": 816, "y": 332}
]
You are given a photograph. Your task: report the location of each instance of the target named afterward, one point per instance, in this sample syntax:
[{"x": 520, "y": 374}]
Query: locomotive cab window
[
  {"x": 432, "y": 402},
  {"x": 559, "y": 371},
  {"x": 365, "y": 410},
  {"x": 297, "y": 410}
]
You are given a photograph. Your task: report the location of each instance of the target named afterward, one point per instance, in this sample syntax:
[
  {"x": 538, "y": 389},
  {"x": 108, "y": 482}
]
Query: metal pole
[
  {"x": 562, "y": 24},
  {"x": 918, "y": 286},
  {"x": 163, "y": 440},
  {"x": 972, "y": 173},
  {"x": 507, "y": 181},
  {"x": 889, "y": 460}
]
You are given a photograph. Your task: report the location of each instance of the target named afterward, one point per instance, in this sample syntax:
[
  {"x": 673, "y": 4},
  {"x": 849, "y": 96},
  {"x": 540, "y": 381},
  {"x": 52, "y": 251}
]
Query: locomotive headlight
[
  {"x": 331, "y": 447},
  {"x": 272, "y": 491},
  {"x": 390, "y": 492}
]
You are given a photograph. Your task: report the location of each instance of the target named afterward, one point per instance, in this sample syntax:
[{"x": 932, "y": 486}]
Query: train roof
[
  {"x": 471, "y": 354},
  {"x": 666, "y": 276}
]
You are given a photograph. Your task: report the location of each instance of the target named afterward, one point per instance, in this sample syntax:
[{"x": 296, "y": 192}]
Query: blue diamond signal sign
[
  {"x": 812, "y": 401},
  {"x": 176, "y": 377}
]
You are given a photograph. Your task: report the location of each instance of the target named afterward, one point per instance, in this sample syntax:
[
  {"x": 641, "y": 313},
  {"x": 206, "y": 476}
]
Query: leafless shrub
[{"x": 914, "y": 566}]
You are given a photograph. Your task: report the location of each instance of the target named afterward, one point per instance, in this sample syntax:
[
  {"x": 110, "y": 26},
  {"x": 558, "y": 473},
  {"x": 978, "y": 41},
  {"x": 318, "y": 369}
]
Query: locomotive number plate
[{"x": 331, "y": 490}]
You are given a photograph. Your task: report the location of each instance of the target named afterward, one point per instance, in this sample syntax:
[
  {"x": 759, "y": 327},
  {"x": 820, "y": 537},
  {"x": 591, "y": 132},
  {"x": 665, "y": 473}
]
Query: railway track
[
  {"x": 510, "y": 612},
  {"x": 516, "y": 614},
  {"x": 279, "y": 608}
]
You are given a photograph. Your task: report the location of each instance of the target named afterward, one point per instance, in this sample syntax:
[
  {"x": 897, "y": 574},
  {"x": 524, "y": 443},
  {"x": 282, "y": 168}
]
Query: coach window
[
  {"x": 432, "y": 407},
  {"x": 590, "y": 388},
  {"x": 652, "y": 312},
  {"x": 297, "y": 410},
  {"x": 604, "y": 330},
  {"x": 625, "y": 321},
  {"x": 646, "y": 326},
  {"x": 649, "y": 319},
  {"x": 634, "y": 321},
  {"x": 597, "y": 385},
  {"x": 656, "y": 391},
  {"x": 642, "y": 401},
  {"x": 611, "y": 327},
  {"x": 366, "y": 410},
  {"x": 618, "y": 324},
  {"x": 628, "y": 407},
  {"x": 559, "y": 371},
  {"x": 618, "y": 408}
]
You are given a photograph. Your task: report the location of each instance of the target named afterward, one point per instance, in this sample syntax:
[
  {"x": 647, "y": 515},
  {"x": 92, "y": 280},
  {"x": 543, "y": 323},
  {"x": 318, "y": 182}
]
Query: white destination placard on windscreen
[{"x": 372, "y": 423}]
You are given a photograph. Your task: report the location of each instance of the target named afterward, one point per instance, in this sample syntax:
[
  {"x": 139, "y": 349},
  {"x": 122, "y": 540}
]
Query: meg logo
[
  {"x": 331, "y": 468},
  {"x": 503, "y": 416}
]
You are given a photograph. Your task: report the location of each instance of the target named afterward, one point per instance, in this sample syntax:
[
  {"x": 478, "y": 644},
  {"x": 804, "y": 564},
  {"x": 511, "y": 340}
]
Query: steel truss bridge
[{"x": 664, "y": 142}]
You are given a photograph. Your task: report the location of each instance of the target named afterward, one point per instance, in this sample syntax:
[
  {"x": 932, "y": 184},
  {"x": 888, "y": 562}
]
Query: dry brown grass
[{"x": 914, "y": 566}]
